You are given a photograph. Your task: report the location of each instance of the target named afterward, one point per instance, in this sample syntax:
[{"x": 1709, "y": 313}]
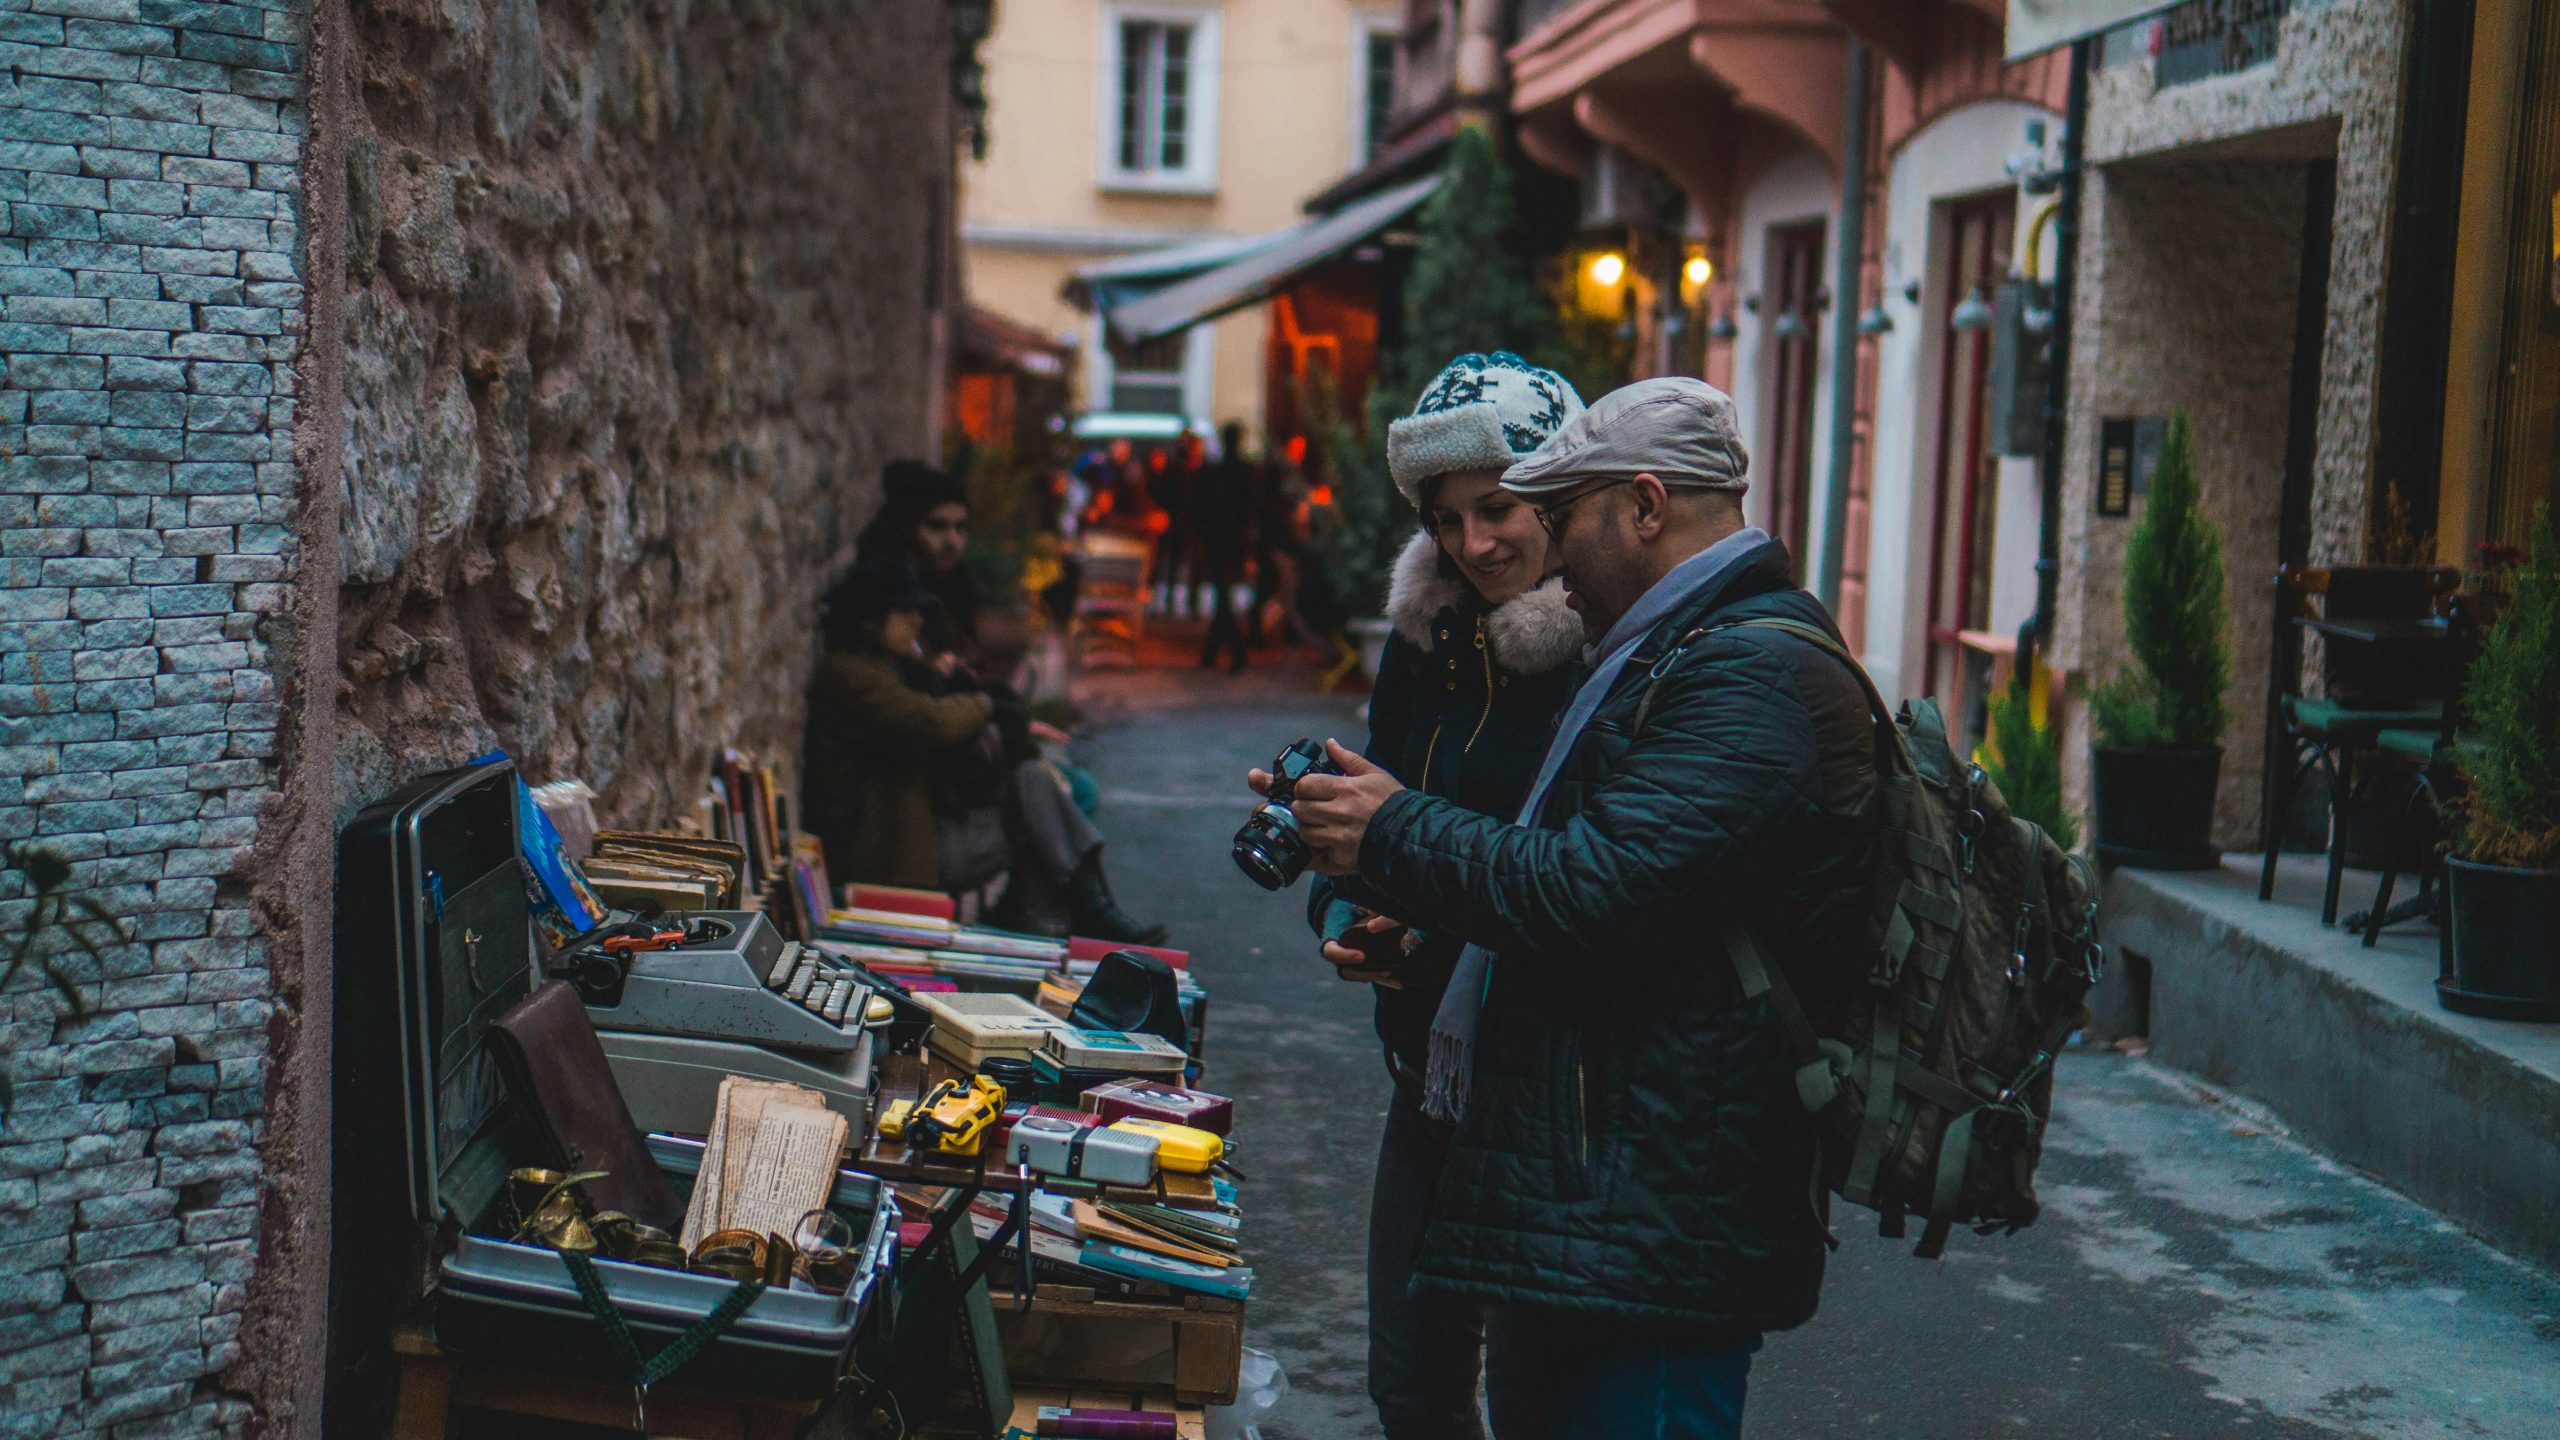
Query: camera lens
[{"x": 1268, "y": 849}]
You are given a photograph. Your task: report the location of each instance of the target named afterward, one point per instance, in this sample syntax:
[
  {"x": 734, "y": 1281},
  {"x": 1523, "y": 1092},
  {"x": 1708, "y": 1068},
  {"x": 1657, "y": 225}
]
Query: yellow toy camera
[{"x": 952, "y": 1117}]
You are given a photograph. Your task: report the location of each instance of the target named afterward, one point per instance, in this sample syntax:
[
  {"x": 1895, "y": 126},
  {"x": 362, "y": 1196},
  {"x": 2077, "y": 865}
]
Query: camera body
[{"x": 1269, "y": 849}]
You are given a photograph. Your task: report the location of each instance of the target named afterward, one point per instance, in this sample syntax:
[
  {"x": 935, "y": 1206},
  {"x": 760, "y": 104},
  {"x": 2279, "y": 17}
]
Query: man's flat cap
[{"x": 1679, "y": 430}]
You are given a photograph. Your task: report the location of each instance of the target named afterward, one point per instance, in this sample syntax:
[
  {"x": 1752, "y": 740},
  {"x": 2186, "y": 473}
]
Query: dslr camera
[{"x": 1269, "y": 848}]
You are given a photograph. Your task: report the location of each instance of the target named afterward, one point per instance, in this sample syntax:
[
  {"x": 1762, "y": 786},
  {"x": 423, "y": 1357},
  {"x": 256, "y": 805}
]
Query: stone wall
[
  {"x": 633, "y": 318},
  {"x": 2190, "y": 274},
  {"x": 569, "y": 336},
  {"x": 2214, "y": 169},
  {"x": 147, "y": 155}
]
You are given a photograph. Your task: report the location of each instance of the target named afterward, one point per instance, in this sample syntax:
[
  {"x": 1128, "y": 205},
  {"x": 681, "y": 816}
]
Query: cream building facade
[{"x": 1124, "y": 127}]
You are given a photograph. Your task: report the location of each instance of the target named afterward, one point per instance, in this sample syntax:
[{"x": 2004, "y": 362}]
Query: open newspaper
[{"x": 771, "y": 1158}]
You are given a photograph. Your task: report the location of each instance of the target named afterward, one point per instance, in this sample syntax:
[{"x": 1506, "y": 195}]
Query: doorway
[
  {"x": 1794, "y": 320},
  {"x": 1975, "y": 260}
]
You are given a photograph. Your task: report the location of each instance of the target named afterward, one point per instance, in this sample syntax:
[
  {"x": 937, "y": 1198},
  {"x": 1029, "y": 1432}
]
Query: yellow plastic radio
[{"x": 1179, "y": 1148}]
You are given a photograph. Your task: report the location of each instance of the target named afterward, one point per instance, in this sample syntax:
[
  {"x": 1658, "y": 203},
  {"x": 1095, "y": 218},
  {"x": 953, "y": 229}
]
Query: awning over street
[{"x": 1267, "y": 270}]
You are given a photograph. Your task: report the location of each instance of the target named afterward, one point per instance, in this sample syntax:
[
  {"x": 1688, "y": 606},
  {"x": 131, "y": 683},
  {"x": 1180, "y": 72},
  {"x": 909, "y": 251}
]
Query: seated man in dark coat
[{"x": 1632, "y": 1191}]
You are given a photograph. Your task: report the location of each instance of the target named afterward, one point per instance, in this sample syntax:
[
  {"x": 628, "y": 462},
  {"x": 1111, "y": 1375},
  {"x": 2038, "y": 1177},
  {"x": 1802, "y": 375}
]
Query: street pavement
[{"x": 2197, "y": 1273}]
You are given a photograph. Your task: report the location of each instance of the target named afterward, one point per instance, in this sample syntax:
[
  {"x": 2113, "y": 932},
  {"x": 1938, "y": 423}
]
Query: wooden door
[
  {"x": 1793, "y": 316},
  {"x": 1973, "y": 263}
]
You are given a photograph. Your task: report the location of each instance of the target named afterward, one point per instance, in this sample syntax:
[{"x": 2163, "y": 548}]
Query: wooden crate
[{"x": 1192, "y": 1345}]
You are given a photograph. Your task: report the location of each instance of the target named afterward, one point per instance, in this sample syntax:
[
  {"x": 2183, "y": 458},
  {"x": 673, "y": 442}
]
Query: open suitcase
[{"x": 435, "y": 944}]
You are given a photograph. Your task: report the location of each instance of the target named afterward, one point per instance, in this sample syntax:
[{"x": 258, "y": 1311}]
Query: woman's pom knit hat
[{"x": 1481, "y": 412}]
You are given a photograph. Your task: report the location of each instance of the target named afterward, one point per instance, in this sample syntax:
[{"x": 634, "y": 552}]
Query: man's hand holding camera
[{"x": 1333, "y": 810}]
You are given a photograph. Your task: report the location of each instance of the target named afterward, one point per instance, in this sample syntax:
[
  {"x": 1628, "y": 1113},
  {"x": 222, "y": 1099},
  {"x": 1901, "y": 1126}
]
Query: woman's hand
[{"x": 1370, "y": 951}]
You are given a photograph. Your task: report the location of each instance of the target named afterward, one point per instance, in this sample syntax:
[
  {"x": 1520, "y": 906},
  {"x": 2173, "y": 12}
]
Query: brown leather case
[{"x": 547, "y": 1049}]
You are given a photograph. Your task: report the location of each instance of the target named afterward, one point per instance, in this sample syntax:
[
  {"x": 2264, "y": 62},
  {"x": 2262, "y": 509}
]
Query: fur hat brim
[{"x": 1421, "y": 448}]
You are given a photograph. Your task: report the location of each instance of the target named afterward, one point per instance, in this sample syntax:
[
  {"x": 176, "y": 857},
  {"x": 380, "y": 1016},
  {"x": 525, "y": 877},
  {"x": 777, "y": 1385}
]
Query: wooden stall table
[{"x": 432, "y": 1382}]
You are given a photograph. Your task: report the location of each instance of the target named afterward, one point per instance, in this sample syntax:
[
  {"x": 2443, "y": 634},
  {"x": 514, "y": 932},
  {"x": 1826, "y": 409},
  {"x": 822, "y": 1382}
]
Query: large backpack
[{"x": 1932, "y": 1100}]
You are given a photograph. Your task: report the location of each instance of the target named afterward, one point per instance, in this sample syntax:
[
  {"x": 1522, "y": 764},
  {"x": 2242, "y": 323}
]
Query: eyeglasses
[{"x": 1550, "y": 517}]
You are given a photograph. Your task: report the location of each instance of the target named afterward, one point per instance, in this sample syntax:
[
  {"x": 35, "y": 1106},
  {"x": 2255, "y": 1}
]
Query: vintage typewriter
[{"x": 680, "y": 1002}]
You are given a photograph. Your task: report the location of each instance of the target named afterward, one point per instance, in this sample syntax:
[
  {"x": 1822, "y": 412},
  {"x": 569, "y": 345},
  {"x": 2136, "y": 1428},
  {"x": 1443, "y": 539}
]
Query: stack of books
[
  {"x": 632, "y": 871},
  {"x": 1111, "y": 1245}
]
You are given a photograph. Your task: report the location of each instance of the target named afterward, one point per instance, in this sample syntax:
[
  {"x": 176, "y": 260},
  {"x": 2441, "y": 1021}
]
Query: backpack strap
[{"x": 1819, "y": 1063}]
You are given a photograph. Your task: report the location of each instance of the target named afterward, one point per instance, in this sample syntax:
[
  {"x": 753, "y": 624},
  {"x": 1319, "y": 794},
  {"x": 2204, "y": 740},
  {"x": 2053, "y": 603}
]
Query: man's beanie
[
  {"x": 1679, "y": 430},
  {"x": 1482, "y": 412}
]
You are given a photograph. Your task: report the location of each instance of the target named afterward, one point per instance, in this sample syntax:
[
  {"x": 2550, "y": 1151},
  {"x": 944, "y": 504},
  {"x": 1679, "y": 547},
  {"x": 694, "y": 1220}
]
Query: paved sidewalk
[{"x": 2198, "y": 1274}]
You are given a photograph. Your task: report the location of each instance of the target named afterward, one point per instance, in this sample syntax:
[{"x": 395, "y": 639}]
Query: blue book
[{"x": 1234, "y": 1282}]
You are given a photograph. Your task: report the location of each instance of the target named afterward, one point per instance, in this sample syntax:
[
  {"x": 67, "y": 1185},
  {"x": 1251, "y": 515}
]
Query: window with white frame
[
  {"x": 1160, "y": 106},
  {"x": 1373, "y": 87}
]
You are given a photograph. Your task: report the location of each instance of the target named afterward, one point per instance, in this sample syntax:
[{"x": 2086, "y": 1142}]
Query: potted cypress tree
[
  {"x": 2158, "y": 754},
  {"x": 2502, "y": 941}
]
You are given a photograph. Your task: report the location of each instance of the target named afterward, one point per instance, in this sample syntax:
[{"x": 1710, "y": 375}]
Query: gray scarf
[{"x": 1453, "y": 1028}]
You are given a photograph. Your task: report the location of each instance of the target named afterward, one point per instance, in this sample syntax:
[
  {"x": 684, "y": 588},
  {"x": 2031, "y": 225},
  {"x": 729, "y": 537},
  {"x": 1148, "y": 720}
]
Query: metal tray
[{"x": 479, "y": 1263}]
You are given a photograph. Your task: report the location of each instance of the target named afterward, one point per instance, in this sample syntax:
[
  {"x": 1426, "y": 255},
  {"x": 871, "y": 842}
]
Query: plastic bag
[{"x": 1259, "y": 1387}]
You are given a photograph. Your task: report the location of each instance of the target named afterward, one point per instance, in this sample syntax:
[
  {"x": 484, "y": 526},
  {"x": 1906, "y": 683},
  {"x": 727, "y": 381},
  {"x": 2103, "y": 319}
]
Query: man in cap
[{"x": 1633, "y": 1190}]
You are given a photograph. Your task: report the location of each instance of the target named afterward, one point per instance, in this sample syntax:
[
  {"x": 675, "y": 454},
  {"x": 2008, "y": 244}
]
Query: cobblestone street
[{"x": 2197, "y": 1274}]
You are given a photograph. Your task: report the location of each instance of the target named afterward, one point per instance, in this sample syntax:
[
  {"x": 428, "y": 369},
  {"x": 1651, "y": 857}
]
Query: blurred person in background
[
  {"x": 1172, "y": 488},
  {"x": 923, "y": 524},
  {"x": 1000, "y": 806},
  {"x": 1222, "y": 506}
]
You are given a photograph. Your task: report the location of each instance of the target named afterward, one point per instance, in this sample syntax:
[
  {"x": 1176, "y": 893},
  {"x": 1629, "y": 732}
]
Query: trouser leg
[
  {"x": 1048, "y": 830},
  {"x": 1225, "y": 632},
  {"x": 1425, "y": 1351},
  {"x": 1557, "y": 1376}
]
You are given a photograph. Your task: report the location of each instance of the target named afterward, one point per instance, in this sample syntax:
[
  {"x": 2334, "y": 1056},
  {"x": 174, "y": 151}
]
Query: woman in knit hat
[{"x": 1466, "y": 697}]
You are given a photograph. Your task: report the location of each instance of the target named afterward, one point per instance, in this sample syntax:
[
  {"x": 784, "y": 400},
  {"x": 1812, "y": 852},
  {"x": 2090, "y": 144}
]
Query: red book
[{"x": 1081, "y": 948}]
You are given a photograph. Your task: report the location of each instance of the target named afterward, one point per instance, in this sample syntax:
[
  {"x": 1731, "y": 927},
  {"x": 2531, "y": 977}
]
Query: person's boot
[{"x": 1091, "y": 911}]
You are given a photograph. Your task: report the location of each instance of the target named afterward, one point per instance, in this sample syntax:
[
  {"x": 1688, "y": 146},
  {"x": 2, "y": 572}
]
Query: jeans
[
  {"x": 1560, "y": 1376},
  {"x": 1425, "y": 1351}
]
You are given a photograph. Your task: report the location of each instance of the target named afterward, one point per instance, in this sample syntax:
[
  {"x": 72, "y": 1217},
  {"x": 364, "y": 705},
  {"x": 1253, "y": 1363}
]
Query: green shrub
[
  {"x": 2511, "y": 709},
  {"x": 1470, "y": 290},
  {"x": 2025, "y": 761},
  {"x": 2175, "y": 618}
]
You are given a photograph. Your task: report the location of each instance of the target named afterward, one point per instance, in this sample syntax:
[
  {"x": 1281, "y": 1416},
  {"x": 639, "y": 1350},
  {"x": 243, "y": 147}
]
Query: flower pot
[
  {"x": 1370, "y": 634},
  {"x": 2155, "y": 807},
  {"x": 2502, "y": 942}
]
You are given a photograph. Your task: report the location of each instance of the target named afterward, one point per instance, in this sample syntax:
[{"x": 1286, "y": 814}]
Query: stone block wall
[
  {"x": 153, "y": 314},
  {"x": 635, "y": 311},
  {"x": 381, "y": 380}
]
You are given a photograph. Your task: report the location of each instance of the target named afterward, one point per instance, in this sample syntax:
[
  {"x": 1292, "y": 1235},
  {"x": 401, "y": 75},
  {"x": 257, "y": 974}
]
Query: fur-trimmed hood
[{"x": 1528, "y": 635}]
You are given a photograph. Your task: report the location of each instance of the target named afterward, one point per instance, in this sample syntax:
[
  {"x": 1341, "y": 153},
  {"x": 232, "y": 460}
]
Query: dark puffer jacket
[
  {"x": 1465, "y": 703},
  {"x": 1632, "y": 1144}
]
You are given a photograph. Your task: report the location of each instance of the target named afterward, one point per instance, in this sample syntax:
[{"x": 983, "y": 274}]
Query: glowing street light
[
  {"x": 1698, "y": 271},
  {"x": 1608, "y": 268}
]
